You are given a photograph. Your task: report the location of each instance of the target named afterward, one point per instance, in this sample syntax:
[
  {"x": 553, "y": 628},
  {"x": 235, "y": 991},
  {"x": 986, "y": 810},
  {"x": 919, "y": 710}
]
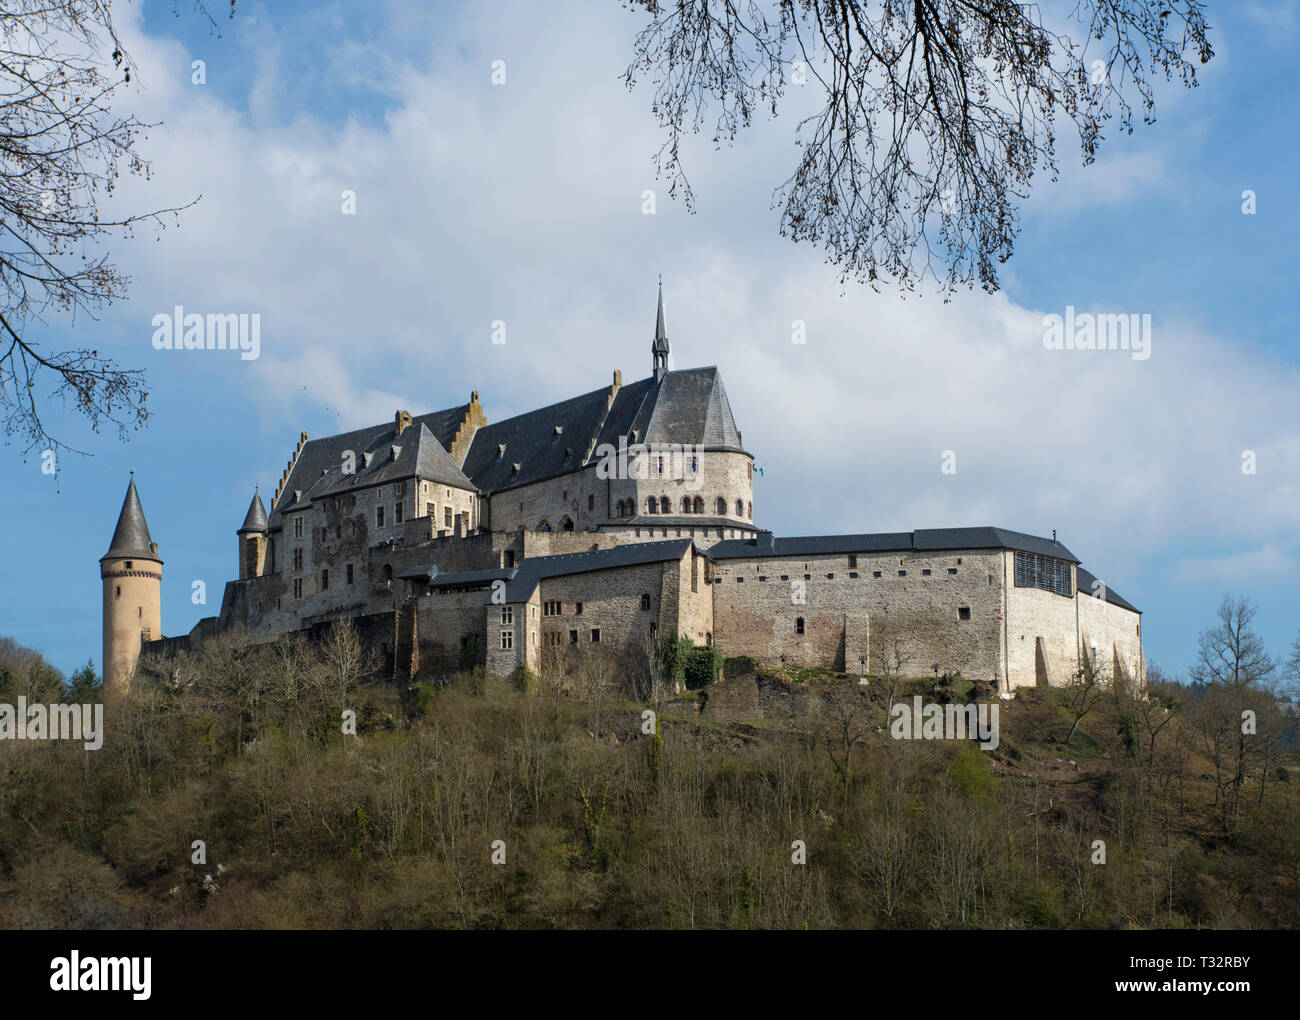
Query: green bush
[
  {"x": 673, "y": 653},
  {"x": 702, "y": 665}
]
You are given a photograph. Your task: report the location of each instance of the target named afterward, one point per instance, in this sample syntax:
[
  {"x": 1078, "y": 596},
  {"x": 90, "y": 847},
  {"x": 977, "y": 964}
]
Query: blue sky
[{"x": 522, "y": 203}]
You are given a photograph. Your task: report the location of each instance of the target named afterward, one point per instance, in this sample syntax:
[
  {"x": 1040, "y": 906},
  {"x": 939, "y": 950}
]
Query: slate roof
[
  {"x": 421, "y": 448},
  {"x": 924, "y": 540},
  {"x": 529, "y": 573},
  {"x": 131, "y": 537},
  {"x": 531, "y": 441},
  {"x": 255, "y": 520},
  {"x": 1084, "y": 579},
  {"x": 687, "y": 407},
  {"x": 458, "y": 578}
]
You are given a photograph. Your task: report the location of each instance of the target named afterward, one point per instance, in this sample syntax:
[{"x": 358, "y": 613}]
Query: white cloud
[{"x": 478, "y": 203}]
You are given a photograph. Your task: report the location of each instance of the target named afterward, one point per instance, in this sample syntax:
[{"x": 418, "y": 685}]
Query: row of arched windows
[{"x": 689, "y": 505}]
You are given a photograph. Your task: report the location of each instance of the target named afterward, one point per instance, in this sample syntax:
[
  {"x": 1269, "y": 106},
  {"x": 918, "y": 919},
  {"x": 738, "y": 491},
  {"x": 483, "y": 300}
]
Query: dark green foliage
[{"x": 702, "y": 665}]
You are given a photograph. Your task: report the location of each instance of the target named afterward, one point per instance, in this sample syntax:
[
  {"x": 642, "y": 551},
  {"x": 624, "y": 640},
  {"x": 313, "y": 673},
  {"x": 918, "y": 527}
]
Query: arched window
[
  {"x": 652, "y": 505},
  {"x": 798, "y": 625},
  {"x": 699, "y": 504},
  {"x": 566, "y": 524},
  {"x": 686, "y": 504},
  {"x": 620, "y": 509},
  {"x": 665, "y": 505},
  {"x": 721, "y": 507},
  {"x": 645, "y": 601},
  {"x": 388, "y": 571},
  {"x": 740, "y": 508},
  {"x": 544, "y": 526}
]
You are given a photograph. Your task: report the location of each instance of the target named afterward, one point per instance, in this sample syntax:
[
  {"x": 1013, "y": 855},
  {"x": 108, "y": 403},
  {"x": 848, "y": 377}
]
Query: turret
[
  {"x": 252, "y": 540},
  {"x": 132, "y": 574}
]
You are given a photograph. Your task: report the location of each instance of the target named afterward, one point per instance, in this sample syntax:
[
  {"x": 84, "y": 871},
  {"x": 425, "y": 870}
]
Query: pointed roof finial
[{"x": 659, "y": 349}]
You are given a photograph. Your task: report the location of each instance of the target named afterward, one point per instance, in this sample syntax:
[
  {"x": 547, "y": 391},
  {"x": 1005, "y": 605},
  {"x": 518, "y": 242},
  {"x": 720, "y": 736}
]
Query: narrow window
[
  {"x": 573, "y": 637},
  {"x": 507, "y": 639},
  {"x": 699, "y": 504},
  {"x": 665, "y": 507},
  {"x": 577, "y": 609},
  {"x": 379, "y": 517},
  {"x": 652, "y": 505},
  {"x": 430, "y": 510},
  {"x": 507, "y": 614},
  {"x": 324, "y": 580},
  {"x": 297, "y": 526},
  {"x": 645, "y": 601},
  {"x": 297, "y": 587},
  {"x": 721, "y": 507},
  {"x": 853, "y": 562},
  {"x": 397, "y": 513},
  {"x": 591, "y": 502},
  {"x": 348, "y": 572},
  {"x": 595, "y": 635},
  {"x": 798, "y": 625}
]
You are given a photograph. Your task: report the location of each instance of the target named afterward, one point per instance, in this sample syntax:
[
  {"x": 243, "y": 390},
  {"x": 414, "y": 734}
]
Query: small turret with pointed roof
[
  {"x": 659, "y": 349},
  {"x": 131, "y": 572},
  {"x": 253, "y": 540},
  {"x": 255, "y": 520}
]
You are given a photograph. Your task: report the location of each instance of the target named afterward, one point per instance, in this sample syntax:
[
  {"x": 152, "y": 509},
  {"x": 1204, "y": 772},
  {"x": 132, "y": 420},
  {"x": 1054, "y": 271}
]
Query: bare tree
[
  {"x": 1236, "y": 671},
  {"x": 62, "y": 66},
  {"x": 893, "y": 664},
  {"x": 936, "y": 113},
  {"x": 1084, "y": 692}
]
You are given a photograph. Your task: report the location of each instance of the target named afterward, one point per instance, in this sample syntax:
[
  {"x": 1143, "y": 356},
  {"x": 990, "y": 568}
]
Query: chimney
[{"x": 401, "y": 421}]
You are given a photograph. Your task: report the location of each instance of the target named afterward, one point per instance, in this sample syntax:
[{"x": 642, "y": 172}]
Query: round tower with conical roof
[
  {"x": 132, "y": 574},
  {"x": 252, "y": 540}
]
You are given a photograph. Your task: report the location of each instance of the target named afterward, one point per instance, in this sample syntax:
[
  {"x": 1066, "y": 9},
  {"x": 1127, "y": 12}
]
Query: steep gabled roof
[
  {"x": 422, "y": 447},
  {"x": 131, "y": 537},
  {"x": 532, "y": 442}
]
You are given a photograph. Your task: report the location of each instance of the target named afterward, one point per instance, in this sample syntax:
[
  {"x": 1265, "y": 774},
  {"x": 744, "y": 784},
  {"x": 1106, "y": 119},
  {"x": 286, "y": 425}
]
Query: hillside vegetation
[{"x": 602, "y": 824}]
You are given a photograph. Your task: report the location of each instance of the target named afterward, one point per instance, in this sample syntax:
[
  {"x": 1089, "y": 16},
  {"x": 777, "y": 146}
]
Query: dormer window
[{"x": 501, "y": 451}]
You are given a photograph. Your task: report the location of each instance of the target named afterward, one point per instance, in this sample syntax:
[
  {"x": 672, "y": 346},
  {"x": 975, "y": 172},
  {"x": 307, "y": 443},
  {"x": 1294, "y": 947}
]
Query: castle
[{"x": 597, "y": 526}]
